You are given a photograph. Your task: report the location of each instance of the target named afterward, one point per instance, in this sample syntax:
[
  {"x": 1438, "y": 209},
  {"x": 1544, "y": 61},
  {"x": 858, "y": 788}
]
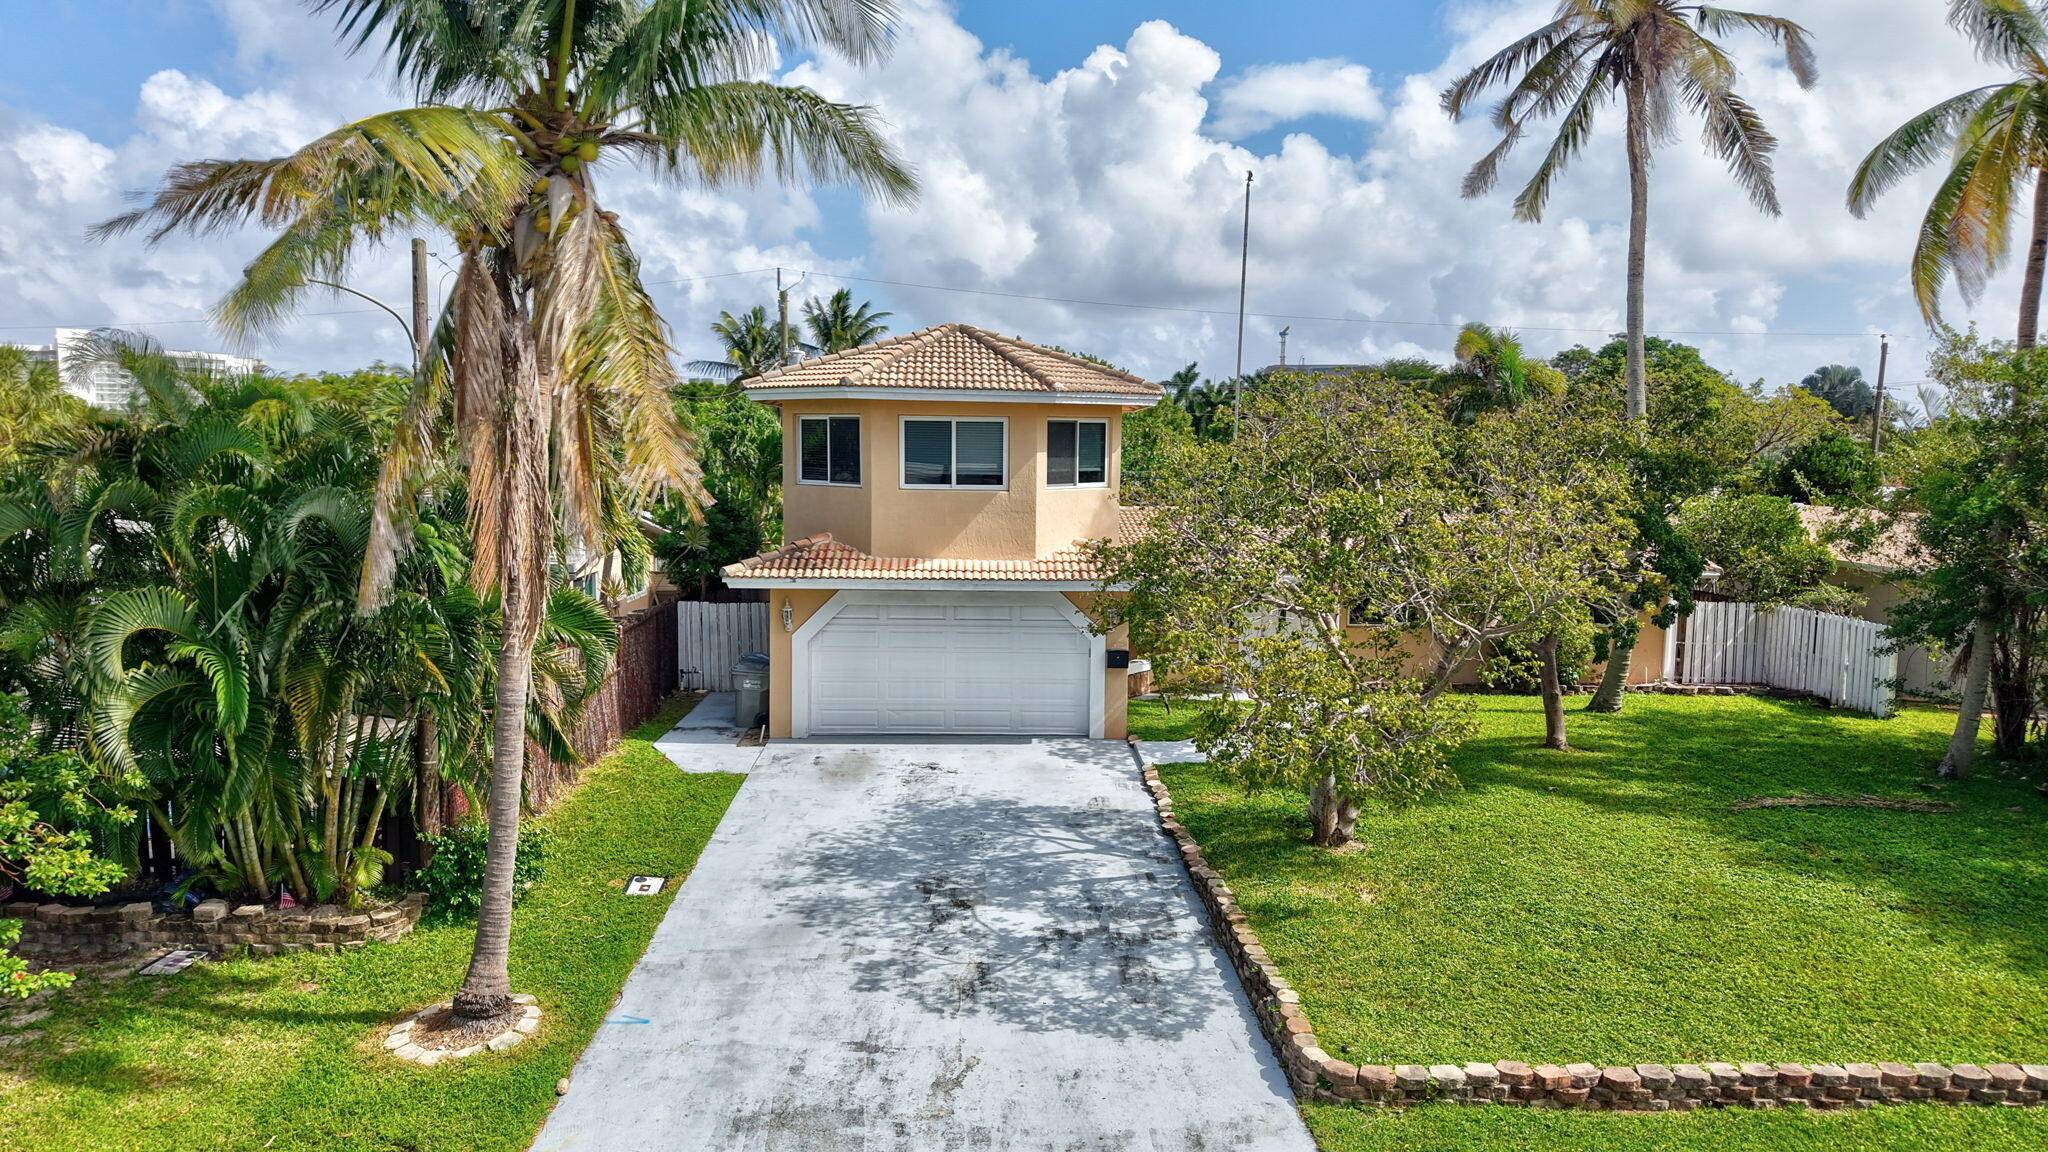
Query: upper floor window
[
  {"x": 1076, "y": 453},
  {"x": 954, "y": 453},
  {"x": 829, "y": 447}
]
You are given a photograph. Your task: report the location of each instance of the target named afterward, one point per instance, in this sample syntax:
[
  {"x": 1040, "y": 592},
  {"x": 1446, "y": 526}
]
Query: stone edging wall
[
  {"x": 60, "y": 932},
  {"x": 1316, "y": 1075}
]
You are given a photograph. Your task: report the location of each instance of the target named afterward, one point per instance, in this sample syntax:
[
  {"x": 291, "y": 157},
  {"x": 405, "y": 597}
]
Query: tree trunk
[
  {"x": 487, "y": 988},
  {"x": 1638, "y": 248},
  {"x": 1331, "y": 818},
  {"x": 1621, "y": 647},
  {"x": 1984, "y": 630},
  {"x": 2037, "y": 264},
  {"x": 2012, "y": 703},
  {"x": 428, "y": 813},
  {"x": 1962, "y": 743},
  {"x": 1553, "y": 695}
]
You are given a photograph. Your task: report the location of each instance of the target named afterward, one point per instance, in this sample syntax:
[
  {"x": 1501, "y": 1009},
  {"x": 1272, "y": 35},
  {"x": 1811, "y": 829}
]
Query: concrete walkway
[
  {"x": 932, "y": 946},
  {"x": 707, "y": 740}
]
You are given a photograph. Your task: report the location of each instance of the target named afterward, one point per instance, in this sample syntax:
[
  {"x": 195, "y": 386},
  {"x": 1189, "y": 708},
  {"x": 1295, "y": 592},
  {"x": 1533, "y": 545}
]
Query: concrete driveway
[{"x": 932, "y": 946}]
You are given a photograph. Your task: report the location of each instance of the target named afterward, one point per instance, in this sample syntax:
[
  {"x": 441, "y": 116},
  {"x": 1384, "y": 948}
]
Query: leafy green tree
[
  {"x": 1831, "y": 466},
  {"x": 1149, "y": 434},
  {"x": 1299, "y": 563},
  {"x": 551, "y": 351},
  {"x": 1657, "y": 56},
  {"x": 1990, "y": 138},
  {"x": 1758, "y": 542},
  {"x": 740, "y": 449},
  {"x": 836, "y": 324},
  {"x": 33, "y": 851},
  {"x": 1706, "y": 432},
  {"x": 1974, "y": 481},
  {"x": 1206, "y": 402}
]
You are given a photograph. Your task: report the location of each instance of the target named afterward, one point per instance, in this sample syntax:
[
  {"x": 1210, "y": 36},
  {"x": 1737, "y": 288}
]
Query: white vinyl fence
[
  {"x": 1838, "y": 658},
  {"x": 709, "y": 637}
]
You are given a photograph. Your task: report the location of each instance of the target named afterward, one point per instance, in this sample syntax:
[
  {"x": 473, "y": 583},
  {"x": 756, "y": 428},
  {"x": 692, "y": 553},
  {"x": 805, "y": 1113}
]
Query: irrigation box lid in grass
[{"x": 644, "y": 885}]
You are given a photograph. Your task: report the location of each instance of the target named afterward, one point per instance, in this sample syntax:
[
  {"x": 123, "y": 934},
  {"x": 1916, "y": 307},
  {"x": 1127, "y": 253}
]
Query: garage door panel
[{"x": 928, "y": 665}]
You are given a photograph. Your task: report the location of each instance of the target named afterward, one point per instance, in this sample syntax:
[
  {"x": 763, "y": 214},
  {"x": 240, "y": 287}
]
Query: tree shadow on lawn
[
  {"x": 1050, "y": 917},
  {"x": 1979, "y": 873},
  {"x": 105, "y": 1030}
]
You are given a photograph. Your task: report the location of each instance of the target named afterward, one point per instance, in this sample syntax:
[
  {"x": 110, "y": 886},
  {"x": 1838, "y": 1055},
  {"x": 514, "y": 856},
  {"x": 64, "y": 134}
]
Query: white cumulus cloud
[{"x": 1271, "y": 94}]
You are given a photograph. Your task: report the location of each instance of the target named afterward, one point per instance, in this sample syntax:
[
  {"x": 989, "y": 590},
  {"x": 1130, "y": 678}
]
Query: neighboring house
[
  {"x": 105, "y": 385},
  {"x": 937, "y": 487},
  {"x": 1875, "y": 571}
]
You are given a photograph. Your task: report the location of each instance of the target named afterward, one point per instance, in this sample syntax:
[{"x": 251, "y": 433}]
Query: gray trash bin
[{"x": 750, "y": 680}]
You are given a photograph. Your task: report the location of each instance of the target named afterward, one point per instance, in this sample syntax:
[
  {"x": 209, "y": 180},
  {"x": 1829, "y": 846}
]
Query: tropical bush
[
  {"x": 179, "y": 584},
  {"x": 453, "y": 879},
  {"x": 33, "y": 852}
]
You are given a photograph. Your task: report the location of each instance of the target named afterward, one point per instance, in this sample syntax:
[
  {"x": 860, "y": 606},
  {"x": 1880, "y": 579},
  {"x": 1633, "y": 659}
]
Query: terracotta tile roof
[
  {"x": 956, "y": 356},
  {"x": 820, "y": 557},
  {"x": 1895, "y": 549}
]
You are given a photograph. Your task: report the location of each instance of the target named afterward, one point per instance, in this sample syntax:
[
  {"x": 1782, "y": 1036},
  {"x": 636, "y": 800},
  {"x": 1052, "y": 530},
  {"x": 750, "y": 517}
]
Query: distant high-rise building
[{"x": 98, "y": 381}]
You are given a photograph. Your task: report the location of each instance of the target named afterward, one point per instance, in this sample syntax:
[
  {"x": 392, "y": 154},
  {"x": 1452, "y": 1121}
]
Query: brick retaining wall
[
  {"x": 1316, "y": 1075},
  {"x": 63, "y": 933}
]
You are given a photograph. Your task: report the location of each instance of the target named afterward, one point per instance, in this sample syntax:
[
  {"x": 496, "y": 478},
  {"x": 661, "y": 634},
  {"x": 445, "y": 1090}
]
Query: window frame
[
  {"x": 1077, "y": 482},
  {"x": 953, "y": 453},
  {"x": 860, "y": 448}
]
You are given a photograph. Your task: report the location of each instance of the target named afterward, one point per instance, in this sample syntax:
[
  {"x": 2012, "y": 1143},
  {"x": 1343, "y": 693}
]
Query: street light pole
[{"x": 1244, "y": 265}]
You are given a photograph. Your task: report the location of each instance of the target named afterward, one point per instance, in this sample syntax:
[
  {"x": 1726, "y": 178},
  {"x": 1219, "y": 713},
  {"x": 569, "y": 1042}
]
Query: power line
[{"x": 1295, "y": 316}]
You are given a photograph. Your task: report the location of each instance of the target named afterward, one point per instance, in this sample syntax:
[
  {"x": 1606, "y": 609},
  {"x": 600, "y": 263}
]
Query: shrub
[
  {"x": 454, "y": 879},
  {"x": 1513, "y": 665}
]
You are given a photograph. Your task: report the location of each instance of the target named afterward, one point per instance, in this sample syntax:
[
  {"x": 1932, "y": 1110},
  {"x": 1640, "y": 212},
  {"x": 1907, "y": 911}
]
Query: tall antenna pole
[
  {"x": 1884, "y": 352},
  {"x": 1244, "y": 265},
  {"x": 1283, "y": 345}
]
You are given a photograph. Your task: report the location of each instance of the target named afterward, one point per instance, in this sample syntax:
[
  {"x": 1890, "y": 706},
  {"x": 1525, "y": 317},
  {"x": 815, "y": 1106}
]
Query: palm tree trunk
[
  {"x": 426, "y": 782},
  {"x": 1962, "y": 743},
  {"x": 1553, "y": 695},
  {"x": 1621, "y": 648},
  {"x": 1638, "y": 247},
  {"x": 487, "y": 988}
]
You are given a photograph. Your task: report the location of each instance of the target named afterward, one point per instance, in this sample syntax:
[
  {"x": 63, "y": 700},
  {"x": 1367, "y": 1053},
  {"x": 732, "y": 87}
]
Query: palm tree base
[{"x": 441, "y": 1032}]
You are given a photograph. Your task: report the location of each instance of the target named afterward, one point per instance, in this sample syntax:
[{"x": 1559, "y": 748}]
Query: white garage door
[{"x": 936, "y": 664}]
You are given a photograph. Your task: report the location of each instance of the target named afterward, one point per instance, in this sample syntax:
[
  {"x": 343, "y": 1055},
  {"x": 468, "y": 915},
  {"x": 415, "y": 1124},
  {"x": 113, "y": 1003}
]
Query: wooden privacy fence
[
  {"x": 709, "y": 637},
  {"x": 643, "y": 675},
  {"x": 1843, "y": 660}
]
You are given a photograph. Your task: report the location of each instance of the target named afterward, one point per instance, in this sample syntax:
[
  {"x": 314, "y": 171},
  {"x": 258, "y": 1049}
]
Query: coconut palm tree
[
  {"x": 1993, "y": 139},
  {"x": 1657, "y": 56},
  {"x": 550, "y": 350},
  {"x": 836, "y": 324},
  {"x": 753, "y": 345}
]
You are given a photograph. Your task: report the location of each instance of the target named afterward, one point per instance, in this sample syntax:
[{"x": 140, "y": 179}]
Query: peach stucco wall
[
  {"x": 882, "y": 518},
  {"x": 1646, "y": 664}
]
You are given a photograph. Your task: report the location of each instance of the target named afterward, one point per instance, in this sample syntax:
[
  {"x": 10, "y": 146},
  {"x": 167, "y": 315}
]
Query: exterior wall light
[{"x": 788, "y": 616}]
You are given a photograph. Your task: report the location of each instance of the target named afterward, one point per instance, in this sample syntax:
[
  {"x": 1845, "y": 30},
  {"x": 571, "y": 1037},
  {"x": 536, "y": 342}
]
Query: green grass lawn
[
  {"x": 286, "y": 1052},
  {"x": 1609, "y": 905}
]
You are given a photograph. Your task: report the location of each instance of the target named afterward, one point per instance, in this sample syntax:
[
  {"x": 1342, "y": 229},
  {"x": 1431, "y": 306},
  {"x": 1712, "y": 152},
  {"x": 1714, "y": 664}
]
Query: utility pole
[
  {"x": 782, "y": 312},
  {"x": 1884, "y": 352},
  {"x": 1244, "y": 265},
  {"x": 1283, "y": 345},
  {"x": 419, "y": 303}
]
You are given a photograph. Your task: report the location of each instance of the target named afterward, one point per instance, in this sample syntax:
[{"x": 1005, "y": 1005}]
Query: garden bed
[
  {"x": 1616, "y": 905},
  {"x": 288, "y": 1052}
]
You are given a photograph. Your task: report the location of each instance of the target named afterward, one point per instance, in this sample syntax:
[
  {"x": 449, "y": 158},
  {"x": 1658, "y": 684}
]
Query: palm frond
[
  {"x": 1572, "y": 133},
  {"x": 1918, "y": 142},
  {"x": 1500, "y": 67},
  {"x": 730, "y": 132},
  {"x": 1799, "y": 55},
  {"x": 2008, "y": 32}
]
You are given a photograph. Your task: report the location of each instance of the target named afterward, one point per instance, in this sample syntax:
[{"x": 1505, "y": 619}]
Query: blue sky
[{"x": 1089, "y": 151}]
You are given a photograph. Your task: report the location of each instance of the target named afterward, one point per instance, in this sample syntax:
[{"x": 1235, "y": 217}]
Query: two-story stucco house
[{"x": 936, "y": 488}]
